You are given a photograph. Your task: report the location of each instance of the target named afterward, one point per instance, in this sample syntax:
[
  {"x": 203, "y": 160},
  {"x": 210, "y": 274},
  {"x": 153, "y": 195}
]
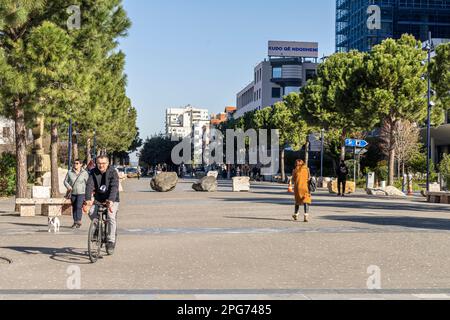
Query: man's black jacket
[
  {"x": 110, "y": 182},
  {"x": 342, "y": 172}
]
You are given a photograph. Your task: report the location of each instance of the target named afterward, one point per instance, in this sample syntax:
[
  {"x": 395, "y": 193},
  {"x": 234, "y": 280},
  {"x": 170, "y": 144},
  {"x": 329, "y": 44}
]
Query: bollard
[
  {"x": 405, "y": 184},
  {"x": 410, "y": 185}
]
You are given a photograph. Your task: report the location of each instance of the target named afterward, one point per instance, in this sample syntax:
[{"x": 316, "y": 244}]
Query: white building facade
[
  {"x": 180, "y": 122},
  {"x": 6, "y": 134},
  {"x": 289, "y": 67}
]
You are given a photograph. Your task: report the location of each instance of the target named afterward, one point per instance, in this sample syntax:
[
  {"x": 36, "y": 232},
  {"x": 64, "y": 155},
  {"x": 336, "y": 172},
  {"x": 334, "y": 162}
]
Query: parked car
[{"x": 132, "y": 172}]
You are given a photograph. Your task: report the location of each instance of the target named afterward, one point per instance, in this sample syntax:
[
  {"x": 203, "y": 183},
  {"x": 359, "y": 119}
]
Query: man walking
[{"x": 342, "y": 173}]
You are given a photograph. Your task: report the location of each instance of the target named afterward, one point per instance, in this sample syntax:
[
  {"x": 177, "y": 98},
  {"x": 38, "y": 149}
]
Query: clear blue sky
[{"x": 202, "y": 52}]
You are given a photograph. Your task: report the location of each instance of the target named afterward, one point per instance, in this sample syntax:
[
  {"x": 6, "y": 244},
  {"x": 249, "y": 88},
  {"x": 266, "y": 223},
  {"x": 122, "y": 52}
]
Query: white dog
[{"x": 53, "y": 223}]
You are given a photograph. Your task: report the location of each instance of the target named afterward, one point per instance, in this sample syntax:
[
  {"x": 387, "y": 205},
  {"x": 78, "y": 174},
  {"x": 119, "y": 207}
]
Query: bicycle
[{"x": 98, "y": 232}]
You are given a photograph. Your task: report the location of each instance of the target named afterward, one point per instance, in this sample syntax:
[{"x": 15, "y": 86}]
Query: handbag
[
  {"x": 68, "y": 195},
  {"x": 312, "y": 185}
]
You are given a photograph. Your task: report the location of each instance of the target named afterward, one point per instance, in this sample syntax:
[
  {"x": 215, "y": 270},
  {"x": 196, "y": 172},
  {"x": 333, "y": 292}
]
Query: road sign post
[{"x": 355, "y": 144}]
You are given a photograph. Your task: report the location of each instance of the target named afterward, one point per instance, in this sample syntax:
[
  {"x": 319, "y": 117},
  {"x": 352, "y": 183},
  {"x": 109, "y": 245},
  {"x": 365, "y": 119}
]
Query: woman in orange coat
[{"x": 300, "y": 178}]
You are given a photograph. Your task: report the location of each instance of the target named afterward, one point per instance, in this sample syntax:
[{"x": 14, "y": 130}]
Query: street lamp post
[
  {"x": 70, "y": 144},
  {"x": 430, "y": 105},
  {"x": 322, "y": 137}
]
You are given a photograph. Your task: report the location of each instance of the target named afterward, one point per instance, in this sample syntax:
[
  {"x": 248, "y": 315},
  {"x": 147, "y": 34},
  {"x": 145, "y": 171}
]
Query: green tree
[
  {"x": 297, "y": 130},
  {"x": 440, "y": 74},
  {"x": 157, "y": 150},
  {"x": 17, "y": 84},
  {"x": 47, "y": 57},
  {"x": 444, "y": 169},
  {"x": 7, "y": 174},
  {"x": 394, "y": 84},
  {"x": 93, "y": 96},
  {"x": 332, "y": 100}
]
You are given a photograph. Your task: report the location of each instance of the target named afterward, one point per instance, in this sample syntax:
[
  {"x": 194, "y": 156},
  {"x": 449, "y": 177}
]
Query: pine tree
[
  {"x": 394, "y": 84},
  {"x": 17, "y": 18},
  {"x": 440, "y": 74}
]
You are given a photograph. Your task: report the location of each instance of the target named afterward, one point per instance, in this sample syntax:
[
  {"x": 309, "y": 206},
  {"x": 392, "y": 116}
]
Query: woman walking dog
[
  {"x": 301, "y": 177},
  {"x": 75, "y": 183}
]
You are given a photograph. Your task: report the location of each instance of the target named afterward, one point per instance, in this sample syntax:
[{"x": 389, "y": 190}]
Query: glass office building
[{"x": 398, "y": 17}]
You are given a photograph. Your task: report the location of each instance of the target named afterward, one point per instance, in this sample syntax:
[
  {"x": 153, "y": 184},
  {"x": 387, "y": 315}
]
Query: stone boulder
[
  {"x": 376, "y": 192},
  {"x": 241, "y": 184},
  {"x": 164, "y": 182},
  {"x": 394, "y": 192},
  {"x": 388, "y": 191},
  {"x": 349, "y": 188},
  {"x": 206, "y": 184}
]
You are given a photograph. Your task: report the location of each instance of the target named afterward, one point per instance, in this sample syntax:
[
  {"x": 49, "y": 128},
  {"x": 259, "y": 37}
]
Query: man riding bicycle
[{"x": 103, "y": 184}]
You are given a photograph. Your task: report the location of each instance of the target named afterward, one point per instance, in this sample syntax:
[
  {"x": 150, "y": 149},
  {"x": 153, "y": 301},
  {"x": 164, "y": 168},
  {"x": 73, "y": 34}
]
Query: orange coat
[{"x": 300, "y": 178}]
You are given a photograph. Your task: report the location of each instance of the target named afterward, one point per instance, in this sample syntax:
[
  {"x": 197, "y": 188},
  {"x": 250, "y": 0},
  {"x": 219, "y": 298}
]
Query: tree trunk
[
  {"x": 75, "y": 147},
  {"x": 391, "y": 166},
  {"x": 403, "y": 169},
  {"x": 307, "y": 152},
  {"x": 54, "y": 161},
  {"x": 88, "y": 150},
  {"x": 283, "y": 171},
  {"x": 343, "y": 137},
  {"x": 21, "y": 151},
  {"x": 391, "y": 154}
]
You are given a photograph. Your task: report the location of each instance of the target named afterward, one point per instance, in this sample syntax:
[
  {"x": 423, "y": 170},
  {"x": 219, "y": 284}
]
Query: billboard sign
[{"x": 293, "y": 49}]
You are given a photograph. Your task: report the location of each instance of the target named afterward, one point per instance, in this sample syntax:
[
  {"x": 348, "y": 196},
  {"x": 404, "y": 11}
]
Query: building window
[
  {"x": 6, "y": 132},
  {"x": 277, "y": 73},
  {"x": 310, "y": 74},
  {"x": 276, "y": 92},
  {"x": 289, "y": 90}
]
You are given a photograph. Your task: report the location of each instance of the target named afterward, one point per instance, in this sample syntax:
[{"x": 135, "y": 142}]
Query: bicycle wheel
[{"x": 94, "y": 241}]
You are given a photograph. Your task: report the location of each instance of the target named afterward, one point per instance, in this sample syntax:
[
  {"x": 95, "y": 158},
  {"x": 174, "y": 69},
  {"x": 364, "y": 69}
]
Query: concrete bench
[
  {"x": 438, "y": 197},
  {"x": 49, "y": 207}
]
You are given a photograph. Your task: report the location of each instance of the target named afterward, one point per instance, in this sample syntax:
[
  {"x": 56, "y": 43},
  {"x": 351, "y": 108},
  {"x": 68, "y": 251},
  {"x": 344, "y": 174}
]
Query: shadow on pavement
[
  {"x": 259, "y": 219},
  {"x": 348, "y": 203},
  {"x": 66, "y": 255},
  {"x": 407, "y": 222},
  {"x": 30, "y": 224}
]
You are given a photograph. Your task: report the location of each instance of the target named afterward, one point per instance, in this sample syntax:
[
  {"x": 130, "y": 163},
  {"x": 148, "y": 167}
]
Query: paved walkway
[{"x": 226, "y": 245}]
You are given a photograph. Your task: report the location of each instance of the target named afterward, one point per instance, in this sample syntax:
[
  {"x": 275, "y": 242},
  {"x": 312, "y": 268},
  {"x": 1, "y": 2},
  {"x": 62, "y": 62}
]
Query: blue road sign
[{"x": 354, "y": 143}]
